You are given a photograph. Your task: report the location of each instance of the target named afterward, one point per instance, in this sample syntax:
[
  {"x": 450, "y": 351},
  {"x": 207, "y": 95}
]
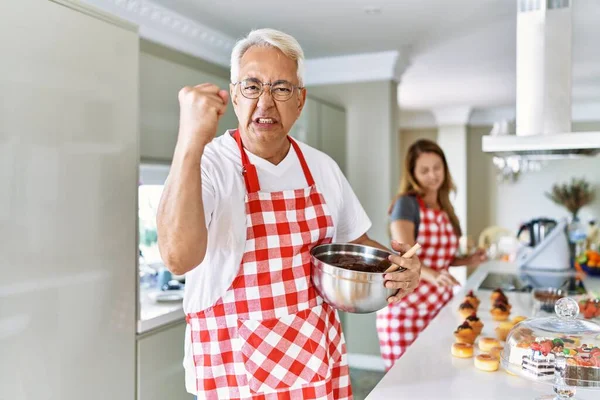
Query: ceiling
[{"x": 462, "y": 52}]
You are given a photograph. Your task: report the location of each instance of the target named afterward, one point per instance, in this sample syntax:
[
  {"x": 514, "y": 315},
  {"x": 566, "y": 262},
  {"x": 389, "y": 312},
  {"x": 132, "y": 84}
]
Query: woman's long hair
[{"x": 410, "y": 186}]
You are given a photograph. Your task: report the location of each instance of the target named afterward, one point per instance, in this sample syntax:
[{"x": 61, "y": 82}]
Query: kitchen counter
[
  {"x": 428, "y": 371},
  {"x": 154, "y": 315}
]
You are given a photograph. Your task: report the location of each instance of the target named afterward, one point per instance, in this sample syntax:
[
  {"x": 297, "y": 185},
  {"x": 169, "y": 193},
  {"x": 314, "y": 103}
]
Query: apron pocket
[{"x": 285, "y": 353}]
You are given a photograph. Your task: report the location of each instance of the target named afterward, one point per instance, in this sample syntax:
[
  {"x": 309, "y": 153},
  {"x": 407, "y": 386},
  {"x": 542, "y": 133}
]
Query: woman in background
[{"x": 422, "y": 212}]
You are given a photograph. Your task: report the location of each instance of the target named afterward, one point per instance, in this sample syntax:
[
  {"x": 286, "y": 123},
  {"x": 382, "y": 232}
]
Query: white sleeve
[
  {"x": 353, "y": 221},
  {"x": 208, "y": 194}
]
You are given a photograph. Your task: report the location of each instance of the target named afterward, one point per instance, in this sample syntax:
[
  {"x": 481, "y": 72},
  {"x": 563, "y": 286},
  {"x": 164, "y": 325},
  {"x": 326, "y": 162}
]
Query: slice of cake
[
  {"x": 540, "y": 361},
  {"x": 539, "y": 366},
  {"x": 517, "y": 352}
]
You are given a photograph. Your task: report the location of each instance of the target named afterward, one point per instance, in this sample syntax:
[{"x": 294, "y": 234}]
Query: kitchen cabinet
[
  {"x": 332, "y": 132},
  {"x": 323, "y": 126},
  {"x": 159, "y": 364},
  {"x": 306, "y": 128},
  {"x": 160, "y": 81},
  {"x": 69, "y": 151}
]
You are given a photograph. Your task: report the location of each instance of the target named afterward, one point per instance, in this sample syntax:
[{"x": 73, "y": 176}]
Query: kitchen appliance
[
  {"x": 534, "y": 231},
  {"x": 543, "y": 101},
  {"x": 548, "y": 249}
]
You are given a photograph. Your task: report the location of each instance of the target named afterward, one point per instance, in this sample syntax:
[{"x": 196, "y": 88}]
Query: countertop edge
[
  {"x": 144, "y": 326},
  {"x": 459, "y": 378}
]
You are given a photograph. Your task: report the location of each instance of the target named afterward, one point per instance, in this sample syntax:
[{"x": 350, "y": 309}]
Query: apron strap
[
  {"x": 307, "y": 174},
  {"x": 421, "y": 202},
  {"x": 249, "y": 170}
]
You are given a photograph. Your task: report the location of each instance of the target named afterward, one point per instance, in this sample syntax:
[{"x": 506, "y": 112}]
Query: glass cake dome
[{"x": 561, "y": 350}]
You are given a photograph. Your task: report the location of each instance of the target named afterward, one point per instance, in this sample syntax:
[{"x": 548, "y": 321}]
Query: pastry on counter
[
  {"x": 524, "y": 335},
  {"x": 586, "y": 357},
  {"x": 465, "y": 334},
  {"x": 518, "y": 318},
  {"x": 471, "y": 298},
  {"x": 547, "y": 346},
  {"x": 503, "y": 302},
  {"x": 540, "y": 360},
  {"x": 570, "y": 342},
  {"x": 475, "y": 323},
  {"x": 486, "y": 362},
  {"x": 488, "y": 343},
  {"x": 496, "y": 351},
  {"x": 586, "y": 369},
  {"x": 503, "y": 329},
  {"x": 590, "y": 308},
  {"x": 500, "y": 312},
  {"x": 462, "y": 350},
  {"x": 498, "y": 294},
  {"x": 517, "y": 351},
  {"x": 539, "y": 367},
  {"x": 465, "y": 309}
]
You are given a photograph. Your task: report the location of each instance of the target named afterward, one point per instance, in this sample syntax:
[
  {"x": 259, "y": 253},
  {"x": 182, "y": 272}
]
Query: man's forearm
[{"x": 182, "y": 233}]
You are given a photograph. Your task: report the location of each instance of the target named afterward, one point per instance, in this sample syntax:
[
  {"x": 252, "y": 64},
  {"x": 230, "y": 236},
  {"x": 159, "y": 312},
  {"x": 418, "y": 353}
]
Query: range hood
[
  {"x": 544, "y": 147},
  {"x": 543, "y": 112}
]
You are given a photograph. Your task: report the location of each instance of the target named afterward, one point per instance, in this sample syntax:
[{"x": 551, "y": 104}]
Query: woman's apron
[
  {"x": 398, "y": 325},
  {"x": 271, "y": 336}
]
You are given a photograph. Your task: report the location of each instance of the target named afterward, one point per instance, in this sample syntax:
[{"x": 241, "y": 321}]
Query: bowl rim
[
  {"x": 350, "y": 275},
  {"x": 549, "y": 290},
  {"x": 590, "y": 270},
  {"x": 321, "y": 264}
]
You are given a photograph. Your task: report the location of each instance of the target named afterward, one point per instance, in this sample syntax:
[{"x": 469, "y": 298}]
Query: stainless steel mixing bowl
[{"x": 351, "y": 291}]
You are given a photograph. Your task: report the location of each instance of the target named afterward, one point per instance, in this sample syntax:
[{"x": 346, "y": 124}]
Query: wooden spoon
[{"x": 411, "y": 252}]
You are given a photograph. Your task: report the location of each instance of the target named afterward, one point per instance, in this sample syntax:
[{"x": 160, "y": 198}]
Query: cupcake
[
  {"x": 465, "y": 309},
  {"x": 498, "y": 302},
  {"x": 503, "y": 329},
  {"x": 500, "y": 312},
  {"x": 471, "y": 298},
  {"x": 498, "y": 294},
  {"x": 496, "y": 351},
  {"x": 465, "y": 334},
  {"x": 475, "y": 323}
]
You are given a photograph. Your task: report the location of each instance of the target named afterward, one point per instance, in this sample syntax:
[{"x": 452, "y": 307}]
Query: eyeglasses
[{"x": 252, "y": 88}]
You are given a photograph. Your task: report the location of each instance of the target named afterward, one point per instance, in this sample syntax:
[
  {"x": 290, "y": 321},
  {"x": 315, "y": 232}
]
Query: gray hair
[{"x": 268, "y": 38}]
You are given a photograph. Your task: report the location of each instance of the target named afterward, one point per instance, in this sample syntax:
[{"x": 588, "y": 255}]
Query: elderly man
[{"x": 239, "y": 215}]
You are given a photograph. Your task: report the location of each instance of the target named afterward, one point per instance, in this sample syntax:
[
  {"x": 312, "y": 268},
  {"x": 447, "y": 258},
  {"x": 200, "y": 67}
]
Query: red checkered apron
[
  {"x": 271, "y": 336},
  {"x": 398, "y": 325}
]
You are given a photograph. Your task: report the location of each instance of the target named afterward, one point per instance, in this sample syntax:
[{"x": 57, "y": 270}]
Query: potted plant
[{"x": 573, "y": 195}]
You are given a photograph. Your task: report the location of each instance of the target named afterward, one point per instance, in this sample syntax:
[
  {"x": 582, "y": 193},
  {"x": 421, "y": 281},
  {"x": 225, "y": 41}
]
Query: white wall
[
  {"x": 372, "y": 145},
  {"x": 373, "y": 166},
  {"x": 480, "y": 180},
  {"x": 516, "y": 203},
  {"x": 453, "y": 141},
  {"x": 509, "y": 204}
]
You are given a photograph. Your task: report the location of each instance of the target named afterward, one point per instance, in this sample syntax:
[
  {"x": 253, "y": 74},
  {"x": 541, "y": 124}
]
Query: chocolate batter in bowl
[
  {"x": 356, "y": 262},
  {"x": 349, "y": 277}
]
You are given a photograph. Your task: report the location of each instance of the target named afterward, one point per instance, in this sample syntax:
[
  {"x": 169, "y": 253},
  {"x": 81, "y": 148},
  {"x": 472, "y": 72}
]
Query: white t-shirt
[{"x": 223, "y": 193}]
